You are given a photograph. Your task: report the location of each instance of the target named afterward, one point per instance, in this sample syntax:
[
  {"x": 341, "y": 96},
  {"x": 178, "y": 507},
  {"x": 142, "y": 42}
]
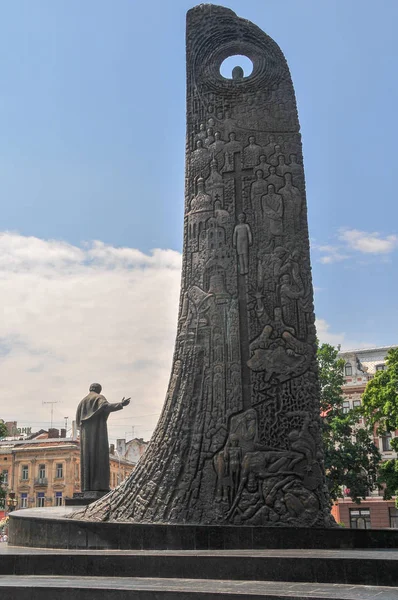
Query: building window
[
  {"x": 25, "y": 472},
  {"x": 348, "y": 369},
  {"x": 40, "y": 499},
  {"x": 5, "y": 477},
  {"x": 346, "y": 406},
  {"x": 59, "y": 471},
  {"x": 58, "y": 498},
  {"x": 394, "y": 518},
  {"x": 386, "y": 442},
  {"x": 380, "y": 367},
  {"x": 23, "y": 502},
  {"x": 356, "y": 403},
  {"x": 42, "y": 471},
  {"x": 359, "y": 518}
]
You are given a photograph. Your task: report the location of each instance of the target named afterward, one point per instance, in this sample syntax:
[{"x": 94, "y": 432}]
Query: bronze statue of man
[{"x": 91, "y": 417}]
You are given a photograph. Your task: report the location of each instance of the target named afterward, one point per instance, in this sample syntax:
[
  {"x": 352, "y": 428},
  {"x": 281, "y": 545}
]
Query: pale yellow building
[{"x": 44, "y": 470}]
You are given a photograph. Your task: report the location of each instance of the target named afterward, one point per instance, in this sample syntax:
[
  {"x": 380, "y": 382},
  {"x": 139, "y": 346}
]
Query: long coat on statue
[{"x": 91, "y": 417}]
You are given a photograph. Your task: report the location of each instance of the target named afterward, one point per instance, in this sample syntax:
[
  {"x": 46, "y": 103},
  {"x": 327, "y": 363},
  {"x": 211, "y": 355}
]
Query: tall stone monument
[{"x": 238, "y": 440}]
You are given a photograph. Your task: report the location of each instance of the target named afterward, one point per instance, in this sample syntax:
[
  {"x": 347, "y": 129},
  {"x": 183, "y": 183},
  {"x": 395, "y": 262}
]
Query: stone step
[
  {"x": 16, "y": 587},
  {"x": 357, "y": 567}
]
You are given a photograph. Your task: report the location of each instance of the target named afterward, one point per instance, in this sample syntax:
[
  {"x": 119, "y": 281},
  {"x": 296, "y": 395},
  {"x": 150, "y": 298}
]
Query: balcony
[{"x": 41, "y": 481}]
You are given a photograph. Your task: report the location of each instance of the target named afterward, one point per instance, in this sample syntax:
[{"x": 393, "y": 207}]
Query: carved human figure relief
[
  {"x": 257, "y": 189},
  {"x": 201, "y": 135},
  {"x": 274, "y": 158},
  {"x": 272, "y": 210},
  {"x": 242, "y": 240},
  {"x": 269, "y": 148},
  {"x": 251, "y": 153},
  {"x": 230, "y": 148},
  {"x": 292, "y": 201},
  {"x": 274, "y": 179}
]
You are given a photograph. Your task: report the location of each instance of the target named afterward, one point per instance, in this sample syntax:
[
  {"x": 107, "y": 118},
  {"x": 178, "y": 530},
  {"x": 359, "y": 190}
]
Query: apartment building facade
[{"x": 373, "y": 512}]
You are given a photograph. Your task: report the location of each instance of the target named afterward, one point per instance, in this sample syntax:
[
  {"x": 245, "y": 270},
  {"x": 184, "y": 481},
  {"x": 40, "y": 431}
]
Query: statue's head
[{"x": 96, "y": 387}]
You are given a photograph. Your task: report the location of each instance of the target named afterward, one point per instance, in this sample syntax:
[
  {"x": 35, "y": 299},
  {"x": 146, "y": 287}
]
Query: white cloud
[
  {"x": 76, "y": 315},
  {"x": 368, "y": 243},
  {"x": 326, "y": 336},
  {"x": 354, "y": 240}
]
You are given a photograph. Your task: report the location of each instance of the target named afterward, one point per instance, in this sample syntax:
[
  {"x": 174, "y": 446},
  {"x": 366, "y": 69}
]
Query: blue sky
[{"x": 92, "y": 121}]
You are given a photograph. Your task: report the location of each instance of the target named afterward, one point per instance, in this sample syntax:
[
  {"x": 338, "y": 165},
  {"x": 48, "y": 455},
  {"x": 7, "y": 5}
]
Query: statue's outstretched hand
[{"x": 126, "y": 401}]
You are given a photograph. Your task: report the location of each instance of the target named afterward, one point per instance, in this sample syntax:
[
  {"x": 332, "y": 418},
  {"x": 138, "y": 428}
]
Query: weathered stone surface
[{"x": 238, "y": 440}]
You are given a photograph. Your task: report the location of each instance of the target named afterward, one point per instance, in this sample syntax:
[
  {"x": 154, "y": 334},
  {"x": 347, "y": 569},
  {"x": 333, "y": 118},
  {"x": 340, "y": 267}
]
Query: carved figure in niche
[
  {"x": 251, "y": 153},
  {"x": 269, "y": 149},
  {"x": 274, "y": 158},
  {"x": 242, "y": 240},
  {"x": 201, "y": 135},
  {"x": 201, "y": 202},
  {"x": 257, "y": 189},
  {"x": 274, "y": 179},
  {"x": 217, "y": 145},
  {"x": 209, "y": 137},
  {"x": 230, "y": 149},
  {"x": 289, "y": 293},
  {"x": 200, "y": 156},
  {"x": 272, "y": 210},
  {"x": 282, "y": 167},
  {"x": 277, "y": 352},
  {"x": 293, "y": 202},
  {"x": 295, "y": 169},
  {"x": 211, "y": 122}
]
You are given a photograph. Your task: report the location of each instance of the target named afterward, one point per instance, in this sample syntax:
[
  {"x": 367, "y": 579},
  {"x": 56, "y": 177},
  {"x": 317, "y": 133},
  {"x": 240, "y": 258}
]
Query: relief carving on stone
[{"x": 238, "y": 440}]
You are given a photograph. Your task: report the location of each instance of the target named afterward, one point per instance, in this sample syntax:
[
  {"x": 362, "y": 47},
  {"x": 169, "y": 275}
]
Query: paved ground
[
  {"x": 248, "y": 588},
  {"x": 387, "y": 554}
]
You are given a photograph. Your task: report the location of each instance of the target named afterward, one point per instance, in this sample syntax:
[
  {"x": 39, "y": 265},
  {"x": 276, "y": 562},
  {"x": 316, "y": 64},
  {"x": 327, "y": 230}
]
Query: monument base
[
  {"x": 51, "y": 528},
  {"x": 84, "y": 498}
]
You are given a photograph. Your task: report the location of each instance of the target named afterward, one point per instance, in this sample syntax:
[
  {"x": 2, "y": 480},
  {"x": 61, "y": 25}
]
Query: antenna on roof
[{"x": 52, "y": 402}]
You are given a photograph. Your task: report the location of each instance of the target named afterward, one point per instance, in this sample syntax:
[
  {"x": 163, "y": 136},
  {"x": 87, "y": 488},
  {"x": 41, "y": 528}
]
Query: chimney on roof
[
  {"x": 53, "y": 433},
  {"x": 112, "y": 449},
  {"x": 74, "y": 430},
  {"x": 63, "y": 433}
]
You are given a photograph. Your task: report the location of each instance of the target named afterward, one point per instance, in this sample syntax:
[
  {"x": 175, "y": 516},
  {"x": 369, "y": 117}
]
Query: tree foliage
[
  {"x": 380, "y": 399},
  {"x": 351, "y": 458},
  {"x": 3, "y": 429},
  {"x": 388, "y": 475}
]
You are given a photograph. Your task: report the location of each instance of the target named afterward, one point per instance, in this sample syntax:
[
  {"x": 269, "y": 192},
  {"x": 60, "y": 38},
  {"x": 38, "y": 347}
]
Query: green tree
[
  {"x": 380, "y": 399},
  {"x": 388, "y": 475},
  {"x": 3, "y": 429},
  {"x": 351, "y": 458}
]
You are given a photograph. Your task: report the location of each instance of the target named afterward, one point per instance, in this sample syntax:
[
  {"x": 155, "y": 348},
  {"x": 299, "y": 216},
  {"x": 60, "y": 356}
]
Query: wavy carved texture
[{"x": 238, "y": 440}]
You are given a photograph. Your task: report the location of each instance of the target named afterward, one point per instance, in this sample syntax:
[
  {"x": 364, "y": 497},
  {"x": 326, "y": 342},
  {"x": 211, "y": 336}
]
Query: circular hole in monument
[{"x": 236, "y": 67}]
